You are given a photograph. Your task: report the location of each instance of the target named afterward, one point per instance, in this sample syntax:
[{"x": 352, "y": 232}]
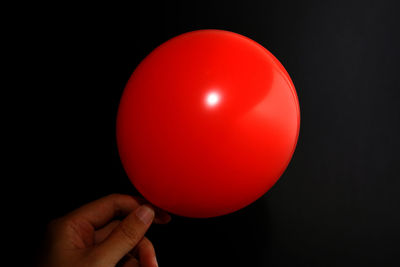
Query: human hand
[{"x": 92, "y": 236}]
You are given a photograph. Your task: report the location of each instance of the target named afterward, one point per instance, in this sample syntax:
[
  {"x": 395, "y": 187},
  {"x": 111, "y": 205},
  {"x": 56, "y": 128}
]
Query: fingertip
[
  {"x": 168, "y": 218},
  {"x": 145, "y": 213},
  {"x": 162, "y": 217}
]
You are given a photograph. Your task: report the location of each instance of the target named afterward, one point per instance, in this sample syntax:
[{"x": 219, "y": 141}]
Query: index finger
[{"x": 101, "y": 211}]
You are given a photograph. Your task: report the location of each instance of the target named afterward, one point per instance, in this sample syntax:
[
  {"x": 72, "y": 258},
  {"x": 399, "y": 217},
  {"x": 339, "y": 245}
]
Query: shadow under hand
[{"x": 237, "y": 239}]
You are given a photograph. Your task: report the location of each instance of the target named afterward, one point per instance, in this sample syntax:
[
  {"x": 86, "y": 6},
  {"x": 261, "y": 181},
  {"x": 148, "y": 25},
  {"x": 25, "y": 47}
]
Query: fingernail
[
  {"x": 145, "y": 214},
  {"x": 155, "y": 262}
]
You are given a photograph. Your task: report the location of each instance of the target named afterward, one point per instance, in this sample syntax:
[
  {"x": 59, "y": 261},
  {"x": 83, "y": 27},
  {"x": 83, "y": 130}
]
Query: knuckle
[
  {"x": 57, "y": 228},
  {"x": 115, "y": 195},
  {"x": 57, "y": 224}
]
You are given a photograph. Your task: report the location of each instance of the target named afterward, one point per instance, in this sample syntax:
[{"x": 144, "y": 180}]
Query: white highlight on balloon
[{"x": 213, "y": 98}]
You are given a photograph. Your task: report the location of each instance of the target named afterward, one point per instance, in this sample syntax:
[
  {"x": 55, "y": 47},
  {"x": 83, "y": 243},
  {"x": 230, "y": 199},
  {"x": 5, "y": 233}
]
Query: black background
[{"x": 338, "y": 202}]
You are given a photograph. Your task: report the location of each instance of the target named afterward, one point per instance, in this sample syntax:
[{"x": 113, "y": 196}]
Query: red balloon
[{"x": 207, "y": 123}]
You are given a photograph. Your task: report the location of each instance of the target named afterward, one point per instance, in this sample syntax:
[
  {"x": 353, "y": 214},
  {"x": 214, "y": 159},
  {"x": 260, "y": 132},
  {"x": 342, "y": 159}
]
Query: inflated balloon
[{"x": 207, "y": 123}]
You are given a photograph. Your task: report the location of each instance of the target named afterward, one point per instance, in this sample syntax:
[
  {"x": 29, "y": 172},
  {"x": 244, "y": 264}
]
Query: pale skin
[{"x": 93, "y": 236}]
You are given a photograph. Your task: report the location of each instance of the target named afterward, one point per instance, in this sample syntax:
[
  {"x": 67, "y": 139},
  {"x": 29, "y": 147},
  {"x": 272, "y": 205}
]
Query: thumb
[{"x": 124, "y": 237}]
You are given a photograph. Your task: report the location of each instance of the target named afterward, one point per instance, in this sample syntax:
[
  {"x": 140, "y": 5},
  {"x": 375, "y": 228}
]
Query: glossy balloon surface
[{"x": 207, "y": 123}]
